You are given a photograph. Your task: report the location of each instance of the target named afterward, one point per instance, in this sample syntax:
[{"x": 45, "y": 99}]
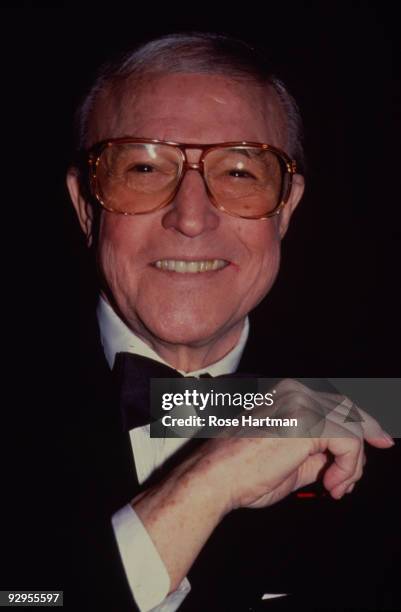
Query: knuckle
[
  {"x": 287, "y": 385},
  {"x": 356, "y": 442}
]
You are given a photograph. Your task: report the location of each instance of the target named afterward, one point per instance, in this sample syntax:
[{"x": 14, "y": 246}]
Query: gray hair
[{"x": 192, "y": 52}]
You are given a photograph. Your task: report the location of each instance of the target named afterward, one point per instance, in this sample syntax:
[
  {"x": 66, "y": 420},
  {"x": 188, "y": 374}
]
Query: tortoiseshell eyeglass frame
[{"x": 288, "y": 166}]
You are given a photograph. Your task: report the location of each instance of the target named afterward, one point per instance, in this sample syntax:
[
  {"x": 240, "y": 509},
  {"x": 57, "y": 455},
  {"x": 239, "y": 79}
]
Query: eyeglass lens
[{"x": 140, "y": 177}]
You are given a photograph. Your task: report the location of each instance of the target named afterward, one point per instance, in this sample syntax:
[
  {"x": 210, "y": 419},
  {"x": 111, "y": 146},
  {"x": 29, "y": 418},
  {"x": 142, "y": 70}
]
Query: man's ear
[
  {"x": 82, "y": 207},
  {"x": 297, "y": 190}
]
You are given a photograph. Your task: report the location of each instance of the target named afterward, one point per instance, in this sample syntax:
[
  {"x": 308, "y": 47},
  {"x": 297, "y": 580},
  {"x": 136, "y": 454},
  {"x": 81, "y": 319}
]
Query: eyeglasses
[{"x": 134, "y": 176}]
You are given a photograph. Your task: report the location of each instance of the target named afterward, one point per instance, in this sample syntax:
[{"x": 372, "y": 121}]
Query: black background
[{"x": 334, "y": 310}]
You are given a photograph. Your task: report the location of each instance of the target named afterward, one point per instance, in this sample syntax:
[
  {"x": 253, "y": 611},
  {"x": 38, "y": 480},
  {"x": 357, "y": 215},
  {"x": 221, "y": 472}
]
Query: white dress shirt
[{"x": 146, "y": 573}]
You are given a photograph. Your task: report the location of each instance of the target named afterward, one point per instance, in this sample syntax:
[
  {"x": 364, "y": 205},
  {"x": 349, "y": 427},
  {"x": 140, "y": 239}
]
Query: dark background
[{"x": 334, "y": 310}]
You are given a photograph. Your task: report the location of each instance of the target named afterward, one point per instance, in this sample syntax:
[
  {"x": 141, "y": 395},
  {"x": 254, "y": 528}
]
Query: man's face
[{"x": 192, "y": 308}]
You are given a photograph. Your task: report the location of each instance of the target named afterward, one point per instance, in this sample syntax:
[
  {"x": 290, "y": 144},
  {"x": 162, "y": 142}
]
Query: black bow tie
[{"x": 132, "y": 374}]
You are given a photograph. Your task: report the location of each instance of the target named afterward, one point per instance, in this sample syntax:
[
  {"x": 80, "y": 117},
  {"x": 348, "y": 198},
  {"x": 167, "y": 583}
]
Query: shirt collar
[{"x": 116, "y": 337}]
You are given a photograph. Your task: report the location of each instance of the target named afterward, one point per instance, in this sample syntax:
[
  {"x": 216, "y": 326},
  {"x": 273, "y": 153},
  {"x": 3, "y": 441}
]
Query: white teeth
[{"x": 181, "y": 266}]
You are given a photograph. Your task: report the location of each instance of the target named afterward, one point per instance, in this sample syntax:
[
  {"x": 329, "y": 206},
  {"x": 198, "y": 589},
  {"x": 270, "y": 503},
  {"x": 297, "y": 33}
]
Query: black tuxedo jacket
[{"x": 325, "y": 554}]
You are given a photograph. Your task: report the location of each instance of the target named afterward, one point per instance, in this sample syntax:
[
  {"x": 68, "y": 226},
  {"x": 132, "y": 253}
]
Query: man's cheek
[
  {"x": 266, "y": 272},
  {"x": 112, "y": 264}
]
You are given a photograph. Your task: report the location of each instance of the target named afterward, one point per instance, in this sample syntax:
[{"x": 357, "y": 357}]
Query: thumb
[{"x": 309, "y": 471}]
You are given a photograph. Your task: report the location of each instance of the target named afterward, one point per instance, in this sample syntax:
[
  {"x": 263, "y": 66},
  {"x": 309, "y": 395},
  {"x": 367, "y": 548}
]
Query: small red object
[{"x": 306, "y": 495}]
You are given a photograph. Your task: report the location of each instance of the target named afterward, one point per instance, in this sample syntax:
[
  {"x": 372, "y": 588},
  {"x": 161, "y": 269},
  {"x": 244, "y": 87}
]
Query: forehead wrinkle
[{"x": 113, "y": 102}]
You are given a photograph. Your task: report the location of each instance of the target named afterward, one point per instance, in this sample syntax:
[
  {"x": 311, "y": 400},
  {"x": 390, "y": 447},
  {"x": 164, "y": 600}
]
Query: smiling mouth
[{"x": 192, "y": 267}]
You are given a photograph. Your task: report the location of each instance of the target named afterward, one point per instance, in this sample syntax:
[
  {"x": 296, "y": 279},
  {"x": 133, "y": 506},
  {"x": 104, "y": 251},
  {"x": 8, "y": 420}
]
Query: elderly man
[{"x": 191, "y": 171}]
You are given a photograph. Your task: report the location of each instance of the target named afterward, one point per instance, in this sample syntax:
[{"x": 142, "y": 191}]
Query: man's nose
[{"x": 192, "y": 212}]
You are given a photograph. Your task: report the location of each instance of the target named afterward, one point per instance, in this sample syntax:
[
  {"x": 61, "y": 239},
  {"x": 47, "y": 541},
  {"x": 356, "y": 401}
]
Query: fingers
[
  {"x": 347, "y": 466},
  {"x": 310, "y": 470},
  {"x": 337, "y": 425},
  {"x": 343, "y": 411},
  {"x": 338, "y": 408},
  {"x": 347, "y": 485},
  {"x": 373, "y": 432},
  {"x": 383, "y": 441},
  {"x": 347, "y": 428}
]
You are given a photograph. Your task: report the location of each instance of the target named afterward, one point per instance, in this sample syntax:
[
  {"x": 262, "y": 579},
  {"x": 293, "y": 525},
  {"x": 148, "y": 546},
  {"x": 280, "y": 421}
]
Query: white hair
[{"x": 193, "y": 52}]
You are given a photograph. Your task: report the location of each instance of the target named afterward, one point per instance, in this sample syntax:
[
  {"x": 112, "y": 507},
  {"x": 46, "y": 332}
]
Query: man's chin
[
  {"x": 181, "y": 335},
  {"x": 192, "y": 332}
]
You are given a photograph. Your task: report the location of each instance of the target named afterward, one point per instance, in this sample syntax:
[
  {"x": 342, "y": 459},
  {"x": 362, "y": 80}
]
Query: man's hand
[
  {"x": 259, "y": 471},
  {"x": 235, "y": 470}
]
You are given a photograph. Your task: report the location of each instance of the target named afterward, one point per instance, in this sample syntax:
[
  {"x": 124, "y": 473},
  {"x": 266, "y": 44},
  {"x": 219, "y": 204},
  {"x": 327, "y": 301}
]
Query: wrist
[
  {"x": 179, "y": 515},
  {"x": 193, "y": 484},
  {"x": 208, "y": 474}
]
